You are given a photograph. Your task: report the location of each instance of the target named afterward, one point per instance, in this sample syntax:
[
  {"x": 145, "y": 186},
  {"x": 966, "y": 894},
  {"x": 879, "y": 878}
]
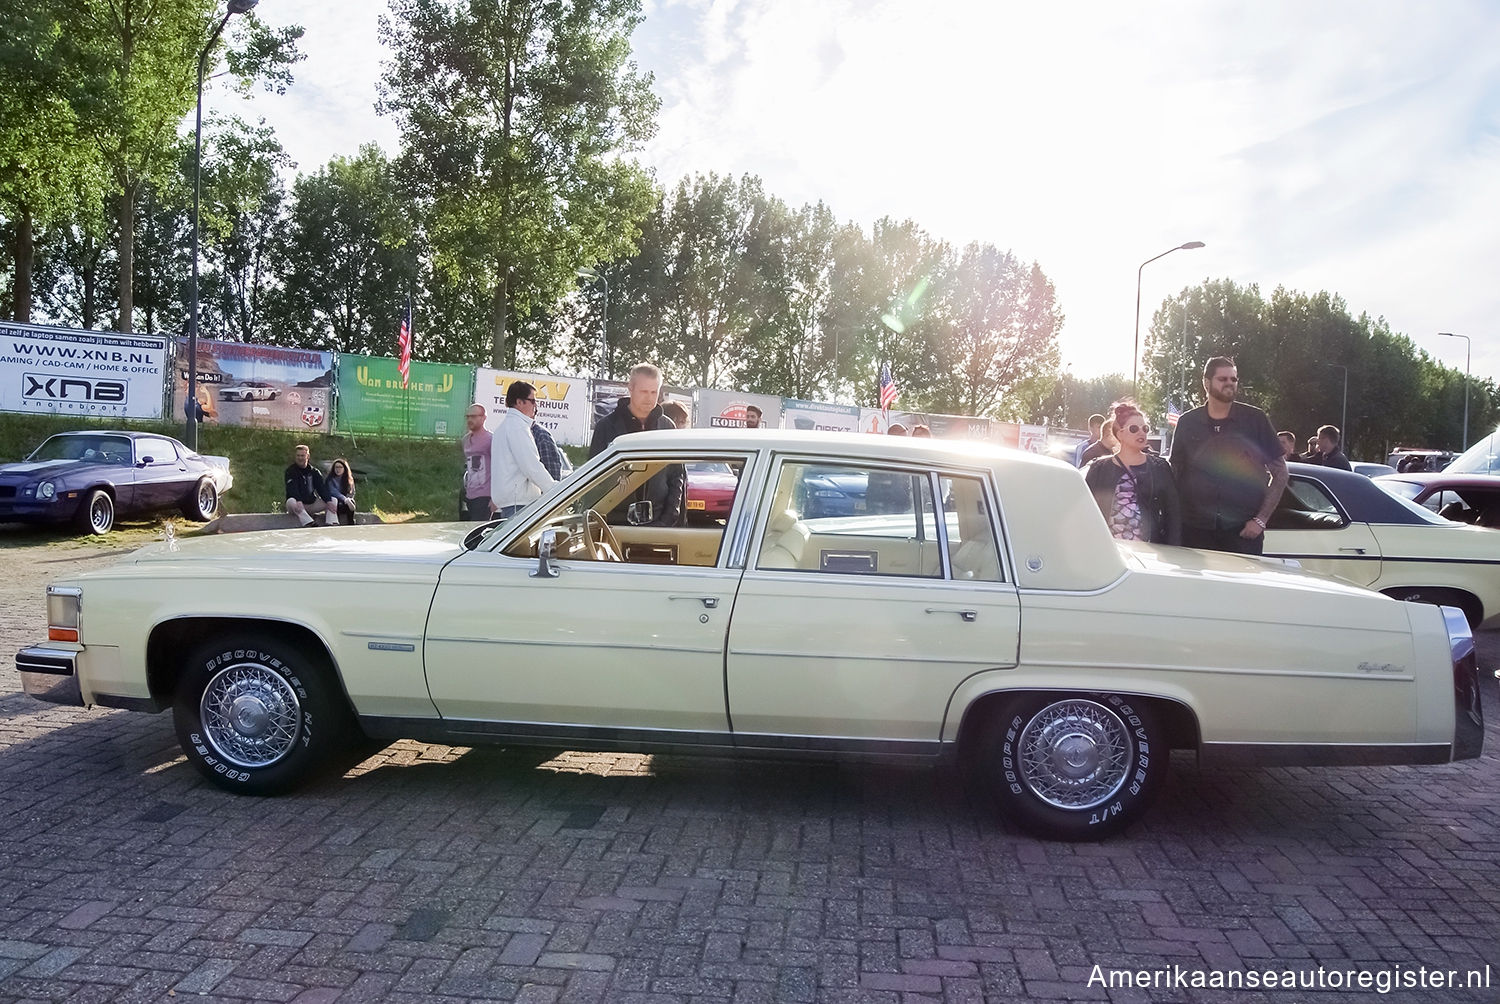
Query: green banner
[{"x": 371, "y": 399}]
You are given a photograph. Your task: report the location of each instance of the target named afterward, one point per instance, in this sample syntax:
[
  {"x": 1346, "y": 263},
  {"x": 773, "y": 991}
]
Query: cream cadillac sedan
[{"x": 975, "y": 608}]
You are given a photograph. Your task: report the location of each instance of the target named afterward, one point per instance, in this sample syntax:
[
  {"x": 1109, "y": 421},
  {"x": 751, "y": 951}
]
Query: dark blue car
[{"x": 90, "y": 478}]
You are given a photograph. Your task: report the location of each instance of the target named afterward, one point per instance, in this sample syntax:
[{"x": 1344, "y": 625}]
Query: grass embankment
[{"x": 398, "y": 479}]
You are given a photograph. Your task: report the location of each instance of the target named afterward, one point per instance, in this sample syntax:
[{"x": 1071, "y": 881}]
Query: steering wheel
[{"x": 602, "y": 540}]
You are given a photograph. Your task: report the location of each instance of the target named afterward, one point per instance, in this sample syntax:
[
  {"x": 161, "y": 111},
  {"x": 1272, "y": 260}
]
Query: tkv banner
[
  {"x": 261, "y": 385},
  {"x": 70, "y": 371},
  {"x": 562, "y": 403},
  {"x": 372, "y": 400}
]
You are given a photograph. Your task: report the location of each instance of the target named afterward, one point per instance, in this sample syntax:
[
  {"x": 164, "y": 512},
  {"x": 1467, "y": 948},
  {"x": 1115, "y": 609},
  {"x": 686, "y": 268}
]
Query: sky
[{"x": 1346, "y": 146}]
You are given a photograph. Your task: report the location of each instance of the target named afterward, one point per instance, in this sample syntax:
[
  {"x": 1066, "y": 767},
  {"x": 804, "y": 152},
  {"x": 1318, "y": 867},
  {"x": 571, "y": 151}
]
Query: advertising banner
[
  {"x": 1033, "y": 438},
  {"x": 371, "y": 399},
  {"x": 1006, "y": 434},
  {"x": 810, "y": 415},
  {"x": 959, "y": 427},
  {"x": 70, "y": 371},
  {"x": 260, "y": 385},
  {"x": 562, "y": 403},
  {"x": 722, "y": 409}
]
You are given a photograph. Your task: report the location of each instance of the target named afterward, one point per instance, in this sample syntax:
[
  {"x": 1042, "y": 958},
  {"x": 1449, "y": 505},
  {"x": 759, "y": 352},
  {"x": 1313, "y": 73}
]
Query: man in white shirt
[{"x": 516, "y": 472}]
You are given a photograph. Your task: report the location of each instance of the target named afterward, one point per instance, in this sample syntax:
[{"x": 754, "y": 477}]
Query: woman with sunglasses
[{"x": 1135, "y": 490}]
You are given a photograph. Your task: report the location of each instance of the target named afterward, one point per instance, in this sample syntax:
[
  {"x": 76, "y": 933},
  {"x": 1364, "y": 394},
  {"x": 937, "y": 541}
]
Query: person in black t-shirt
[{"x": 1230, "y": 467}]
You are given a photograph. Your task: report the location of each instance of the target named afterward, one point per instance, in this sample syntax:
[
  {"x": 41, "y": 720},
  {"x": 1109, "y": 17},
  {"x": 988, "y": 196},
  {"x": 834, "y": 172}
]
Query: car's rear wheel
[
  {"x": 97, "y": 513},
  {"x": 1074, "y": 766},
  {"x": 204, "y": 504},
  {"x": 259, "y": 716}
]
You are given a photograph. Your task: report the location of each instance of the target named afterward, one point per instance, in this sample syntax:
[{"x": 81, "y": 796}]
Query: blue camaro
[{"x": 90, "y": 478}]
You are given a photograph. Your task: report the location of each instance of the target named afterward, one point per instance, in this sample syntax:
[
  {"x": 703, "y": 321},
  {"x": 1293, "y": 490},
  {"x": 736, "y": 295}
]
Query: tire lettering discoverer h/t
[
  {"x": 258, "y": 715},
  {"x": 1074, "y": 766}
]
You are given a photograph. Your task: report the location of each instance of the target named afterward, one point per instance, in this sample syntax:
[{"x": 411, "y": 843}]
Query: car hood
[
  {"x": 26, "y": 470},
  {"x": 327, "y": 547},
  {"x": 717, "y": 482}
]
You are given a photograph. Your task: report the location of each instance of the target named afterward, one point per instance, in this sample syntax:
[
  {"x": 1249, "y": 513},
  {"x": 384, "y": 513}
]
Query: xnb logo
[{"x": 73, "y": 390}]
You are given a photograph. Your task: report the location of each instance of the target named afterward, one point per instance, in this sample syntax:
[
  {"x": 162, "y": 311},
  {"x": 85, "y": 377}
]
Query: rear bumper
[
  {"x": 50, "y": 674},
  {"x": 1468, "y": 711}
]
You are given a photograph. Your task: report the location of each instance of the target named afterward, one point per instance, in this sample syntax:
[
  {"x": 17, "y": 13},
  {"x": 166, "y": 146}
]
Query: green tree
[
  {"x": 135, "y": 67},
  {"x": 514, "y": 115},
  {"x": 48, "y": 174},
  {"x": 999, "y": 333},
  {"x": 349, "y": 261}
]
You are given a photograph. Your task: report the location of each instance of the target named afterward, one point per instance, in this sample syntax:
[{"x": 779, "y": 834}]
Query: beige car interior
[
  {"x": 887, "y": 543},
  {"x": 586, "y": 533}
]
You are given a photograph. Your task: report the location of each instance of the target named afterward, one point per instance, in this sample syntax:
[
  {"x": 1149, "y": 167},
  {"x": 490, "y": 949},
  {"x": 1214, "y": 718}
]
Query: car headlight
[{"x": 46, "y": 490}]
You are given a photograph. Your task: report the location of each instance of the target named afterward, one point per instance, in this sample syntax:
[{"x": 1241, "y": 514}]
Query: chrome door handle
[
  {"x": 1354, "y": 550},
  {"x": 967, "y": 616},
  {"x": 710, "y": 602}
]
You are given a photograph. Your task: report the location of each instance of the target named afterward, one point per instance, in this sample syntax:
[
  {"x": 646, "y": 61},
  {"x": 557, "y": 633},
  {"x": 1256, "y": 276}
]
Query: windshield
[
  {"x": 1480, "y": 458},
  {"x": 90, "y": 449}
]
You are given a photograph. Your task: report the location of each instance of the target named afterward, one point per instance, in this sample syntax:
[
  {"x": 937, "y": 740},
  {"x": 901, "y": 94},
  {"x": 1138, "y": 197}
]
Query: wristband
[{"x": 1259, "y": 522}]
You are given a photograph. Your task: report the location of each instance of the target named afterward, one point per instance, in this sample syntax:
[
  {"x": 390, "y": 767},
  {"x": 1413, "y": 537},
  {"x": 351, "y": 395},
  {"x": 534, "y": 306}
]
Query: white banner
[
  {"x": 562, "y": 403},
  {"x": 70, "y": 371},
  {"x": 722, "y": 409},
  {"x": 811, "y": 415}
]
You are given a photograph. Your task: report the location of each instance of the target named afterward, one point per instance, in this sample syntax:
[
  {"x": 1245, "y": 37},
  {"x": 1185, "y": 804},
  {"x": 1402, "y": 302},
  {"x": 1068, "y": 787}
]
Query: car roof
[
  {"x": 1361, "y": 497},
  {"x": 1441, "y": 479},
  {"x": 839, "y": 444}
]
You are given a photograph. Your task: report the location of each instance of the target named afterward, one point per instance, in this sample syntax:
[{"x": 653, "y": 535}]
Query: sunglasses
[{"x": 1133, "y": 429}]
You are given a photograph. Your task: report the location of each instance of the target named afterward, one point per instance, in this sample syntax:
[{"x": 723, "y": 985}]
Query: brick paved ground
[{"x": 445, "y": 874}]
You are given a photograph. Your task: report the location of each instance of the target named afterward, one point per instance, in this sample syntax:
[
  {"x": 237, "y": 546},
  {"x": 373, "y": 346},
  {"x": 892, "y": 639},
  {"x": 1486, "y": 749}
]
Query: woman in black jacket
[{"x": 1134, "y": 489}]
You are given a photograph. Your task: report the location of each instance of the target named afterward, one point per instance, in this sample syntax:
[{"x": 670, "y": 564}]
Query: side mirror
[
  {"x": 546, "y": 550},
  {"x": 640, "y": 513},
  {"x": 145, "y": 461}
]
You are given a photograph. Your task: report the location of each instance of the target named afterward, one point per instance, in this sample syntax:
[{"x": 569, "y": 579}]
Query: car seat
[{"x": 785, "y": 541}]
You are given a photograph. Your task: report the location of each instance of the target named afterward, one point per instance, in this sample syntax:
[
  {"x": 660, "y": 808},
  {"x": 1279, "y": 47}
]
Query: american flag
[
  {"x": 1173, "y": 414},
  {"x": 887, "y": 387},
  {"x": 403, "y": 339}
]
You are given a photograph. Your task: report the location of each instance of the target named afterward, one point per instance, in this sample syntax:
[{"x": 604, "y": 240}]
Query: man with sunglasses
[
  {"x": 1230, "y": 467},
  {"x": 516, "y": 472}
]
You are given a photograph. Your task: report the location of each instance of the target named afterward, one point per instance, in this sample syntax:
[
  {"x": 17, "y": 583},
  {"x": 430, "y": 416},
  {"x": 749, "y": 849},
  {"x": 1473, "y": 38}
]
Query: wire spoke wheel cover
[
  {"x": 250, "y": 714},
  {"x": 261, "y": 714},
  {"x": 1075, "y": 754},
  {"x": 1074, "y": 766}
]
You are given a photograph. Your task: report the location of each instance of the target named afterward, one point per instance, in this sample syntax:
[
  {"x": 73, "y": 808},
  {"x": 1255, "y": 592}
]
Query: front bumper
[{"x": 50, "y": 674}]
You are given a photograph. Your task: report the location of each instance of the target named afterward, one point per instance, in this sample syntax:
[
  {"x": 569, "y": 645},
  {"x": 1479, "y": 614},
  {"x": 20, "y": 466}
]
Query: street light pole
[
  {"x": 1344, "y": 411},
  {"x": 235, "y": 7},
  {"x": 1467, "y": 346},
  {"x": 588, "y": 273},
  {"x": 1135, "y": 357}
]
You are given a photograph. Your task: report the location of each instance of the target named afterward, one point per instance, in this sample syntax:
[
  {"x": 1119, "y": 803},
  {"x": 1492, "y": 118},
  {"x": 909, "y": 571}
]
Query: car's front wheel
[
  {"x": 1074, "y": 766},
  {"x": 259, "y": 716},
  {"x": 97, "y": 513},
  {"x": 203, "y": 505}
]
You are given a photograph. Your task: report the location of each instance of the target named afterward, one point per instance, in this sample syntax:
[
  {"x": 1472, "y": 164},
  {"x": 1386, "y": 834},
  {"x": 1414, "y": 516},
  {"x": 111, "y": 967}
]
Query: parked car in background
[
  {"x": 710, "y": 491},
  {"x": 1370, "y": 470},
  {"x": 1466, "y": 498},
  {"x": 1412, "y": 461},
  {"x": 992, "y": 619},
  {"x": 1481, "y": 458},
  {"x": 249, "y": 390},
  {"x": 92, "y": 478},
  {"x": 1341, "y": 523},
  {"x": 834, "y": 492}
]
